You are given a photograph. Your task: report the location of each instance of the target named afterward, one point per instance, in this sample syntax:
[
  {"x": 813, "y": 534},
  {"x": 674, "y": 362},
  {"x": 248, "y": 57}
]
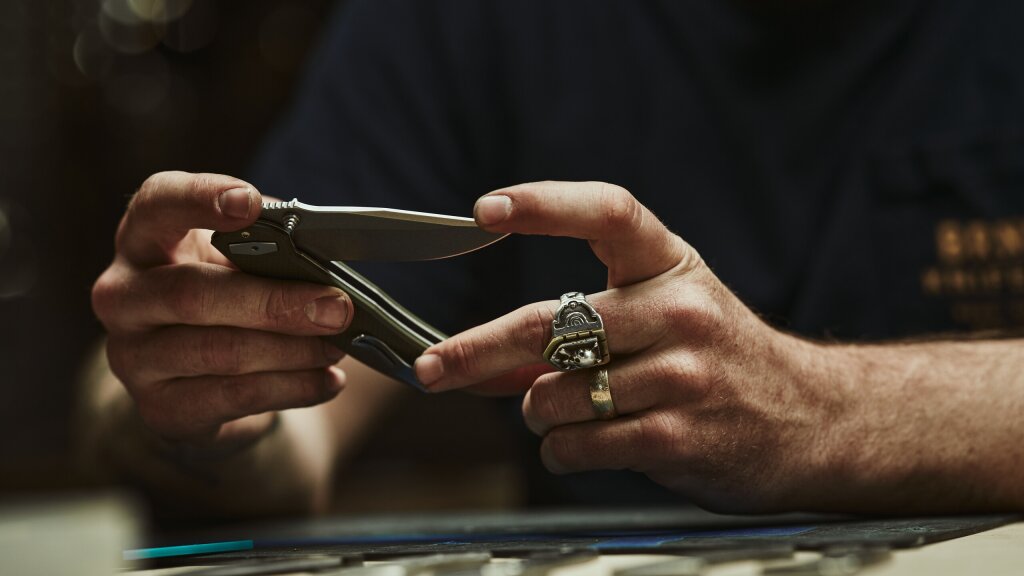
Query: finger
[
  {"x": 623, "y": 233},
  {"x": 238, "y": 433},
  {"x": 232, "y": 436},
  {"x": 184, "y": 351},
  {"x": 511, "y": 383},
  {"x": 636, "y": 384},
  {"x": 169, "y": 204},
  {"x": 195, "y": 408},
  {"x": 630, "y": 442},
  {"x": 203, "y": 294},
  {"x": 520, "y": 338}
]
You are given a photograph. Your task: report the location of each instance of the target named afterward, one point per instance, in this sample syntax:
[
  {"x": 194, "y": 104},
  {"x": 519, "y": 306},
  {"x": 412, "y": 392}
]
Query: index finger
[
  {"x": 169, "y": 204},
  {"x": 519, "y": 338},
  {"x": 623, "y": 233}
]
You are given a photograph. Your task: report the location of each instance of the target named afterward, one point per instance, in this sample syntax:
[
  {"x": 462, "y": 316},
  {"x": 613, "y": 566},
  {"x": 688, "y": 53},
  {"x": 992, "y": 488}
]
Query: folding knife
[{"x": 297, "y": 241}]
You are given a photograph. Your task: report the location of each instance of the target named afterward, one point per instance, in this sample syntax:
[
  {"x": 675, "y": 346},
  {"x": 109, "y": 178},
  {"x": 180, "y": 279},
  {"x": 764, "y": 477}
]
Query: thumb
[{"x": 169, "y": 204}]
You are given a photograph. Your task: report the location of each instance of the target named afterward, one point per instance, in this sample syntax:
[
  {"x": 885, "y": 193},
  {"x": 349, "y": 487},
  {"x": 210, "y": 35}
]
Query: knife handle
[{"x": 382, "y": 334}]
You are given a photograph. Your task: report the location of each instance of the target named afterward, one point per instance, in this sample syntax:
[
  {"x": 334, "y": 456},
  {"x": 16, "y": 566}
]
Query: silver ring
[
  {"x": 601, "y": 396},
  {"x": 577, "y": 335}
]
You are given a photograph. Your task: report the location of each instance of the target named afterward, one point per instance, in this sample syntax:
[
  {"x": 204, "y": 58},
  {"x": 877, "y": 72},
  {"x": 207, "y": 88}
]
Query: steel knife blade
[
  {"x": 381, "y": 234},
  {"x": 296, "y": 241}
]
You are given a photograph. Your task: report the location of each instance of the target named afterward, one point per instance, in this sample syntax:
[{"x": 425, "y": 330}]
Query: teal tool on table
[{"x": 187, "y": 550}]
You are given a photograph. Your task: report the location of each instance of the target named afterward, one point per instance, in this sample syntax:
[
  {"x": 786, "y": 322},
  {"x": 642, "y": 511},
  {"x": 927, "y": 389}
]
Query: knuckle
[
  {"x": 186, "y": 292},
  {"x": 221, "y": 351},
  {"x": 199, "y": 183},
  {"x": 702, "y": 381},
  {"x": 694, "y": 311},
  {"x": 661, "y": 435},
  {"x": 560, "y": 448},
  {"x": 120, "y": 359},
  {"x": 677, "y": 375},
  {"x": 531, "y": 331},
  {"x": 547, "y": 409},
  {"x": 310, "y": 389},
  {"x": 241, "y": 396},
  {"x": 150, "y": 190},
  {"x": 464, "y": 357},
  {"x": 660, "y": 369},
  {"x": 689, "y": 258},
  {"x": 694, "y": 378},
  {"x": 621, "y": 210},
  {"x": 275, "y": 307},
  {"x": 105, "y": 296},
  {"x": 202, "y": 189},
  {"x": 151, "y": 185},
  {"x": 322, "y": 352}
]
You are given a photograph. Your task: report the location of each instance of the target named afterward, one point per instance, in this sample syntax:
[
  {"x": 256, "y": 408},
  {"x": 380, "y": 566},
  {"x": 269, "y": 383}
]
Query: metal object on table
[
  {"x": 840, "y": 561},
  {"x": 540, "y": 563},
  {"x": 268, "y": 567},
  {"x": 534, "y": 564},
  {"x": 296, "y": 241},
  {"x": 415, "y": 565},
  {"x": 696, "y": 563}
]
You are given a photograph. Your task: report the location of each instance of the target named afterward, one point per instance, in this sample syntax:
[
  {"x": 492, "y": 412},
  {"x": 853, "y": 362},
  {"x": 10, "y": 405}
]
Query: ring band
[
  {"x": 577, "y": 335},
  {"x": 601, "y": 396}
]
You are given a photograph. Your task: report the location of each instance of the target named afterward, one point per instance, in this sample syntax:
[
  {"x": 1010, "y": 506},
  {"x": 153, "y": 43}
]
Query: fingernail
[
  {"x": 493, "y": 209},
  {"x": 236, "y": 202},
  {"x": 429, "y": 369},
  {"x": 334, "y": 380},
  {"x": 329, "y": 311}
]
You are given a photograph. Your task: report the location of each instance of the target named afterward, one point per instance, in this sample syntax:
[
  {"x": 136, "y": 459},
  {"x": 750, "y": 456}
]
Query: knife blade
[
  {"x": 296, "y": 241},
  {"x": 377, "y": 234}
]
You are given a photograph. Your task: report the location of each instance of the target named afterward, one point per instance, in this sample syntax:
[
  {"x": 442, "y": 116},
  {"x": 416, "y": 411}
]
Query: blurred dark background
[{"x": 94, "y": 96}]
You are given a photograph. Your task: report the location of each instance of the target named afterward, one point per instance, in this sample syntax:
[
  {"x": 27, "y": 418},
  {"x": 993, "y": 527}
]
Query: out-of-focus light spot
[
  {"x": 18, "y": 269},
  {"x": 141, "y": 88},
  {"x": 92, "y": 55},
  {"x": 195, "y": 30},
  {"x": 283, "y": 34},
  {"x": 120, "y": 11},
  {"x": 125, "y": 31},
  {"x": 160, "y": 10}
]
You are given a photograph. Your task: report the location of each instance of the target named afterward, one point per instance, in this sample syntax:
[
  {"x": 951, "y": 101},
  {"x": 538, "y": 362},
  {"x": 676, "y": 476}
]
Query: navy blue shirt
[{"x": 851, "y": 169}]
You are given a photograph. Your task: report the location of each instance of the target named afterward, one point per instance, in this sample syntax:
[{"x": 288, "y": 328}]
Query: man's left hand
[{"x": 711, "y": 401}]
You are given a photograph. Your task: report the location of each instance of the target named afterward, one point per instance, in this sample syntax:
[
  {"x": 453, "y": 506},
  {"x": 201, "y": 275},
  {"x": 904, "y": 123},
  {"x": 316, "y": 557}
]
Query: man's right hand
[{"x": 207, "y": 352}]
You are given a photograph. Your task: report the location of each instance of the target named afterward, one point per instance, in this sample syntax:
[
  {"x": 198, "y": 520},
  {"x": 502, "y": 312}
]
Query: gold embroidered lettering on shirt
[
  {"x": 976, "y": 244},
  {"x": 979, "y": 240},
  {"x": 980, "y": 270},
  {"x": 1008, "y": 238},
  {"x": 959, "y": 281},
  {"x": 949, "y": 241}
]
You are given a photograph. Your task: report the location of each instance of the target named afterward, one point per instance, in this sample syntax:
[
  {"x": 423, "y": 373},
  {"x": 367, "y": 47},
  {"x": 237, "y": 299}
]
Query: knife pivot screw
[
  {"x": 290, "y": 221},
  {"x": 246, "y": 234}
]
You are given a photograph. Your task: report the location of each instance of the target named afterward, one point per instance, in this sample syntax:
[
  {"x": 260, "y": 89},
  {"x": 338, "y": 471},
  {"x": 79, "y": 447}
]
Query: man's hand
[
  {"x": 716, "y": 404},
  {"x": 711, "y": 401},
  {"x": 209, "y": 353}
]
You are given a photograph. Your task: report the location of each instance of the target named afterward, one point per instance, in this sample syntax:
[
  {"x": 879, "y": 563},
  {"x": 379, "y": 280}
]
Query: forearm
[{"x": 932, "y": 426}]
